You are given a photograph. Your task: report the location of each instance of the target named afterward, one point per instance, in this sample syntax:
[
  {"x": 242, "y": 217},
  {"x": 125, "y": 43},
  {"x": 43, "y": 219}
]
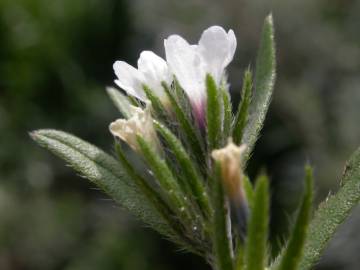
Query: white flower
[
  {"x": 151, "y": 71},
  {"x": 191, "y": 63},
  {"x": 141, "y": 123}
]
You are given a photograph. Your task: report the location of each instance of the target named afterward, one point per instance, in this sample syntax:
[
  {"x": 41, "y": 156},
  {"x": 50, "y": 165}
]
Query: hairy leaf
[
  {"x": 228, "y": 116},
  {"x": 166, "y": 180},
  {"x": 213, "y": 114},
  {"x": 291, "y": 255},
  {"x": 104, "y": 171},
  {"x": 155, "y": 199},
  {"x": 249, "y": 191},
  {"x": 188, "y": 130},
  {"x": 156, "y": 105},
  {"x": 221, "y": 230},
  {"x": 120, "y": 100},
  {"x": 193, "y": 179},
  {"x": 332, "y": 213},
  {"x": 243, "y": 110},
  {"x": 257, "y": 234},
  {"x": 264, "y": 84}
]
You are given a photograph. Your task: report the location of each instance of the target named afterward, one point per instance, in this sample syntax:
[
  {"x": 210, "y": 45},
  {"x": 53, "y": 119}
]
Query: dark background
[{"x": 55, "y": 61}]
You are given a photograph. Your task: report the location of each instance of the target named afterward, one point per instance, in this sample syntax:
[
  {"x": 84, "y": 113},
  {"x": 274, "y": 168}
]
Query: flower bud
[
  {"x": 140, "y": 123},
  {"x": 230, "y": 159}
]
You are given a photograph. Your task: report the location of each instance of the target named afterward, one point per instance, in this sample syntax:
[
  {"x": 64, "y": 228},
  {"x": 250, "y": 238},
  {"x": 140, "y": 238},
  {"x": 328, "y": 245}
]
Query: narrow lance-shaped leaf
[
  {"x": 264, "y": 84},
  {"x": 182, "y": 98},
  {"x": 193, "y": 178},
  {"x": 332, "y": 213},
  {"x": 104, "y": 171},
  {"x": 239, "y": 263},
  {"x": 188, "y": 130},
  {"x": 213, "y": 114},
  {"x": 134, "y": 101},
  {"x": 249, "y": 191},
  {"x": 156, "y": 105},
  {"x": 166, "y": 180},
  {"x": 120, "y": 100},
  {"x": 228, "y": 117},
  {"x": 257, "y": 229},
  {"x": 243, "y": 109},
  {"x": 221, "y": 230},
  {"x": 291, "y": 255},
  {"x": 153, "y": 198}
]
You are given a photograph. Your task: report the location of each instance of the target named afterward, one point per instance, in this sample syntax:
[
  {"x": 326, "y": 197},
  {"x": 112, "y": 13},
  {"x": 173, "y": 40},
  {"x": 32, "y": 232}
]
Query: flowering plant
[{"x": 178, "y": 119}]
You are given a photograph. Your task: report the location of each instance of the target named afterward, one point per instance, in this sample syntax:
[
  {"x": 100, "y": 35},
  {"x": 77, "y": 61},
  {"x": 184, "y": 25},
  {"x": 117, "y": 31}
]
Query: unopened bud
[
  {"x": 230, "y": 161},
  {"x": 140, "y": 123},
  {"x": 230, "y": 158}
]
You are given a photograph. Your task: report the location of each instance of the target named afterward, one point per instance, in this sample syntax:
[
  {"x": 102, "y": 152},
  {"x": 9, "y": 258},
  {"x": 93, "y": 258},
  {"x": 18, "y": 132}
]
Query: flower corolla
[
  {"x": 139, "y": 124},
  {"x": 189, "y": 64}
]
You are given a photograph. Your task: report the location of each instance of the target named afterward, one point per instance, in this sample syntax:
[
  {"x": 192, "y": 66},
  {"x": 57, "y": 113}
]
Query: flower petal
[
  {"x": 217, "y": 49},
  {"x": 129, "y": 79},
  {"x": 155, "y": 70},
  {"x": 232, "y": 46},
  {"x": 187, "y": 66}
]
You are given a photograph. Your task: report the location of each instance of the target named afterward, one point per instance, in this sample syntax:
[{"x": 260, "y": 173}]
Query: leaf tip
[
  {"x": 36, "y": 134},
  {"x": 269, "y": 26},
  {"x": 111, "y": 91},
  {"x": 33, "y": 134},
  {"x": 209, "y": 80},
  {"x": 269, "y": 18}
]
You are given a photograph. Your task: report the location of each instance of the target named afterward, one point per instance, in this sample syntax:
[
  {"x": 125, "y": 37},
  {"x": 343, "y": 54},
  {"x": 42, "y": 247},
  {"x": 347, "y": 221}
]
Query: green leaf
[
  {"x": 190, "y": 134},
  {"x": 213, "y": 114},
  {"x": 193, "y": 179},
  {"x": 221, "y": 231},
  {"x": 104, "y": 171},
  {"x": 228, "y": 117},
  {"x": 264, "y": 84},
  {"x": 156, "y": 105},
  {"x": 243, "y": 110},
  {"x": 166, "y": 181},
  {"x": 154, "y": 198},
  {"x": 120, "y": 100},
  {"x": 182, "y": 98},
  {"x": 134, "y": 101},
  {"x": 291, "y": 255},
  {"x": 249, "y": 191},
  {"x": 257, "y": 234},
  {"x": 332, "y": 213},
  {"x": 239, "y": 263}
]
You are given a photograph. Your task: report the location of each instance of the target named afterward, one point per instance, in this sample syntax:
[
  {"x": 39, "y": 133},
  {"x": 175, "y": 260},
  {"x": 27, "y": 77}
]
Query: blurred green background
[{"x": 55, "y": 61}]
